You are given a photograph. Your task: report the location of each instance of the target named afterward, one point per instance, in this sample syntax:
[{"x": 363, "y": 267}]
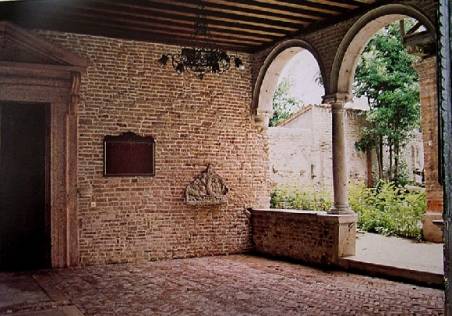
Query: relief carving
[{"x": 207, "y": 189}]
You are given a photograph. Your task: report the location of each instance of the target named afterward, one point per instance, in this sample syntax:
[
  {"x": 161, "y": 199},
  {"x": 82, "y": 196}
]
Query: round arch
[
  {"x": 357, "y": 37},
  {"x": 267, "y": 79}
]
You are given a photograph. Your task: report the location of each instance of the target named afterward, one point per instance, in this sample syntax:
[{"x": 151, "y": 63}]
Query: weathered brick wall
[
  {"x": 312, "y": 237},
  {"x": 287, "y": 234},
  {"x": 194, "y": 123}
]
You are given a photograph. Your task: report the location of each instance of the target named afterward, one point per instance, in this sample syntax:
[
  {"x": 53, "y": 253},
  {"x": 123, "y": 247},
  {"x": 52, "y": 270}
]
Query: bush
[
  {"x": 290, "y": 198},
  {"x": 388, "y": 209}
]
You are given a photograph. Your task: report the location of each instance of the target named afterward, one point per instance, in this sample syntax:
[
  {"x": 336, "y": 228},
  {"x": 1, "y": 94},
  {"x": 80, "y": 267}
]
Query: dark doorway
[{"x": 24, "y": 194}]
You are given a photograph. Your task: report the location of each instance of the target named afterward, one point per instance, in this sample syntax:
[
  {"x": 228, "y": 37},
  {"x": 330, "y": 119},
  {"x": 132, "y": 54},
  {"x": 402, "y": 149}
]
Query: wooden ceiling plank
[
  {"x": 247, "y": 10},
  {"x": 293, "y": 7},
  {"x": 333, "y": 5},
  {"x": 347, "y": 4},
  {"x": 134, "y": 13},
  {"x": 157, "y": 5},
  {"x": 156, "y": 12},
  {"x": 275, "y": 8},
  {"x": 174, "y": 28},
  {"x": 121, "y": 17},
  {"x": 120, "y": 31},
  {"x": 79, "y": 18}
]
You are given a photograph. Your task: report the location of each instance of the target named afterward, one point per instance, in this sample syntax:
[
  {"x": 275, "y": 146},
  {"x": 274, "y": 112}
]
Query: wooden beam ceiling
[{"x": 243, "y": 25}]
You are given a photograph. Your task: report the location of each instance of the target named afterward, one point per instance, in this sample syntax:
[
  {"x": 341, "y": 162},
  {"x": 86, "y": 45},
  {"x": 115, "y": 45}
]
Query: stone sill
[{"x": 325, "y": 216}]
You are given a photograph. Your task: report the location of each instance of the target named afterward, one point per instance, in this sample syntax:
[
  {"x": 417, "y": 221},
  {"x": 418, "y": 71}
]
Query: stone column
[
  {"x": 426, "y": 70},
  {"x": 340, "y": 174}
]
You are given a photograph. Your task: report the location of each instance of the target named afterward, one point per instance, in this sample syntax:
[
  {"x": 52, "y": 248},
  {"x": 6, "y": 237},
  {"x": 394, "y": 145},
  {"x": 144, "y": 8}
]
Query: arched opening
[
  {"x": 270, "y": 74},
  {"x": 299, "y": 131},
  {"x": 419, "y": 38},
  {"x": 358, "y": 36}
]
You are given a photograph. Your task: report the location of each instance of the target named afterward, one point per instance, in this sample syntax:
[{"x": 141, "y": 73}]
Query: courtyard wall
[{"x": 301, "y": 150}]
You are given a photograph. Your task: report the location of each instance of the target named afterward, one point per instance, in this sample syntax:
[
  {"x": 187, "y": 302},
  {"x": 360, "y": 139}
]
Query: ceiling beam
[
  {"x": 158, "y": 14},
  {"x": 244, "y": 8},
  {"x": 181, "y": 10},
  {"x": 80, "y": 14},
  {"x": 277, "y": 8}
]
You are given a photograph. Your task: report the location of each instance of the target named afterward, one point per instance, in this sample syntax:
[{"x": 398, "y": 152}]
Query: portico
[{"x": 96, "y": 64}]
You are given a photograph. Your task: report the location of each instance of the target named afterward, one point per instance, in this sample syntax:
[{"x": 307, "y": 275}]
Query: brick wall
[
  {"x": 312, "y": 237},
  {"x": 194, "y": 123}
]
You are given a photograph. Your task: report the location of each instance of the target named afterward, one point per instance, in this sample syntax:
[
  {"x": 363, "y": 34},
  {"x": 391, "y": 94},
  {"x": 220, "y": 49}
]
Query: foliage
[
  {"x": 388, "y": 209},
  {"x": 386, "y": 77},
  {"x": 283, "y": 104},
  {"x": 291, "y": 198}
]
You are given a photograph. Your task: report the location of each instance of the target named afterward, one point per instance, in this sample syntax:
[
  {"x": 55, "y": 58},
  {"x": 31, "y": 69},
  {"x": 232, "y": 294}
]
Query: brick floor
[{"x": 237, "y": 285}]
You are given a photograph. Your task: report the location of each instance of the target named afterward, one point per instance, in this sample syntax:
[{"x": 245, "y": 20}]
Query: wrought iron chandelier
[{"x": 200, "y": 61}]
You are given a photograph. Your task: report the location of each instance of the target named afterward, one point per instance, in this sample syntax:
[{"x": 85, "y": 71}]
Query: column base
[
  {"x": 347, "y": 234},
  {"x": 341, "y": 211},
  {"x": 430, "y": 231}
]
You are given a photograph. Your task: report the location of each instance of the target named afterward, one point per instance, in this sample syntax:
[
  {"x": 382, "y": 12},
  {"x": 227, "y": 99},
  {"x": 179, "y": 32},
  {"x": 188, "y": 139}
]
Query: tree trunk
[
  {"x": 390, "y": 162},
  {"x": 380, "y": 158},
  {"x": 396, "y": 160},
  {"x": 370, "y": 180}
]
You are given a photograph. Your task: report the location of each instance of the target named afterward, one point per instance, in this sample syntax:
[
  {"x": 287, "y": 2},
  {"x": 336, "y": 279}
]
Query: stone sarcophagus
[{"x": 208, "y": 188}]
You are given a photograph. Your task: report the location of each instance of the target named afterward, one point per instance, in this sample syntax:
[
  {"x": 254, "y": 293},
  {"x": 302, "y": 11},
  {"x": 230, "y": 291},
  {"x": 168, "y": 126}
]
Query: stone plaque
[
  {"x": 129, "y": 155},
  {"x": 208, "y": 188}
]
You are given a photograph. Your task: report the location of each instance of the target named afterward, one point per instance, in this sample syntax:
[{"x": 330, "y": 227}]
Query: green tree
[
  {"x": 283, "y": 104},
  {"x": 386, "y": 77}
]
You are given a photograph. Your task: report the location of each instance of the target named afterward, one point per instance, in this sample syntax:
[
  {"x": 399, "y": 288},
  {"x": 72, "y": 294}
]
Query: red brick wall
[
  {"x": 194, "y": 123},
  {"x": 312, "y": 237},
  {"x": 429, "y": 123}
]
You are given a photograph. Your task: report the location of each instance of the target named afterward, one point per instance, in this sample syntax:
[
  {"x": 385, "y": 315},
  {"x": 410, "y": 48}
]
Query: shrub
[
  {"x": 388, "y": 209},
  {"x": 291, "y": 198}
]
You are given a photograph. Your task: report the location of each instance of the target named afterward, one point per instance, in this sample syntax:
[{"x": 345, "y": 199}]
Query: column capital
[
  {"x": 262, "y": 119},
  {"x": 337, "y": 98}
]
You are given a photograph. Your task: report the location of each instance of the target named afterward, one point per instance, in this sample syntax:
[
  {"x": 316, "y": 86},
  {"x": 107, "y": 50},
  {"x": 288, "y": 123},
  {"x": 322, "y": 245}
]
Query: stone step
[{"x": 418, "y": 277}]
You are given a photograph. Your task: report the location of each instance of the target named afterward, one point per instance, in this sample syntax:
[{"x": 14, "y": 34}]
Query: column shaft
[{"x": 340, "y": 172}]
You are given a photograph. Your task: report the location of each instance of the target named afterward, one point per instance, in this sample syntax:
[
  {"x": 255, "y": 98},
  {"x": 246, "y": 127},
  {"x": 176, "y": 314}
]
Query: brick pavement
[{"x": 236, "y": 285}]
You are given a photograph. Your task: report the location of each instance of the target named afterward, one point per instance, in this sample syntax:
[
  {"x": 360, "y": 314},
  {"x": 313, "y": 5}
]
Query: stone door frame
[{"x": 55, "y": 81}]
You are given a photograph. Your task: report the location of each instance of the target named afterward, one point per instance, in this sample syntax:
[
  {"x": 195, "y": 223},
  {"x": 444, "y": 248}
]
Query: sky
[{"x": 301, "y": 71}]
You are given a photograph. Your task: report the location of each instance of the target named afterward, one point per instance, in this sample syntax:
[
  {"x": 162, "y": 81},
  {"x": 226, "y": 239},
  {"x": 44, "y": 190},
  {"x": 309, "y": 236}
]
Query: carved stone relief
[{"x": 208, "y": 188}]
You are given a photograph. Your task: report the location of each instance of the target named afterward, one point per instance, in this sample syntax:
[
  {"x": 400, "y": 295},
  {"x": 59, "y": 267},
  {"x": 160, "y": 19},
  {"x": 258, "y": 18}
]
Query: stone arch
[
  {"x": 357, "y": 37},
  {"x": 269, "y": 72}
]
